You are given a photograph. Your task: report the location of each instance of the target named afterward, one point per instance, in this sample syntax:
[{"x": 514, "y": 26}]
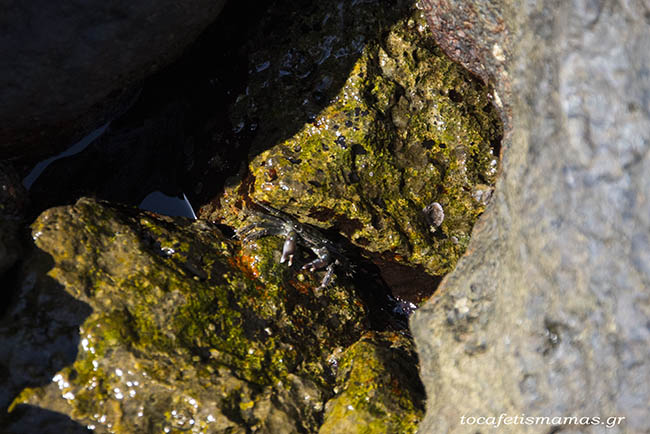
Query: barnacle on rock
[{"x": 434, "y": 214}]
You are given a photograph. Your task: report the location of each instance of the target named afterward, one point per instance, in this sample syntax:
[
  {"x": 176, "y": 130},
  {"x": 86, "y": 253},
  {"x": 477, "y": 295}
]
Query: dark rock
[
  {"x": 193, "y": 124},
  {"x": 29, "y": 419},
  {"x": 39, "y": 333},
  {"x": 13, "y": 204},
  {"x": 69, "y": 67},
  {"x": 548, "y": 314}
]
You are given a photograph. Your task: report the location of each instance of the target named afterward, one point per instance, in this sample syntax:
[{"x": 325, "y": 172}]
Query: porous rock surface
[
  {"x": 408, "y": 128},
  {"x": 68, "y": 67},
  {"x": 547, "y": 314},
  {"x": 125, "y": 321}
]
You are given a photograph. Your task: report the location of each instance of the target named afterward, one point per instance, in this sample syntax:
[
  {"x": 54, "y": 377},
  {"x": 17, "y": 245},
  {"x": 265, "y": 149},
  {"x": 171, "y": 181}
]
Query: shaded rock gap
[{"x": 200, "y": 146}]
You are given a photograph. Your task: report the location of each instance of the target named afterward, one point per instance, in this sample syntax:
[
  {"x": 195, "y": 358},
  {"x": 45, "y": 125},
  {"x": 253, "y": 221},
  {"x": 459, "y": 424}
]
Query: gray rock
[
  {"x": 69, "y": 66},
  {"x": 548, "y": 315}
]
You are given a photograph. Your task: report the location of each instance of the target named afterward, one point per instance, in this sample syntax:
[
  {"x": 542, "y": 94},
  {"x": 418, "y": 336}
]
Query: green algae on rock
[
  {"x": 189, "y": 330},
  {"x": 408, "y": 128},
  {"x": 379, "y": 388}
]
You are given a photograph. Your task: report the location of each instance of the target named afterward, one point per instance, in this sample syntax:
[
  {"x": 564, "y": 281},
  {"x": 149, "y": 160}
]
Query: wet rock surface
[
  {"x": 150, "y": 323},
  {"x": 368, "y": 400},
  {"x": 354, "y": 123},
  {"x": 120, "y": 320},
  {"x": 408, "y": 129},
  {"x": 547, "y": 316},
  {"x": 367, "y": 122},
  {"x": 71, "y": 67}
]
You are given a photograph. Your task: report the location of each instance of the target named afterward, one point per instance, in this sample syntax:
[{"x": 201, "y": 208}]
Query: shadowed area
[
  {"x": 193, "y": 123},
  {"x": 39, "y": 331}
]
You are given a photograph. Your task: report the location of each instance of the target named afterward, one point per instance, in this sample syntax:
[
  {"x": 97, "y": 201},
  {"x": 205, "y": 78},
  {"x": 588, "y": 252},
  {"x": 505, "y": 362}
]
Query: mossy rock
[
  {"x": 408, "y": 128},
  {"x": 189, "y": 330},
  {"x": 378, "y": 389},
  {"x": 181, "y": 328}
]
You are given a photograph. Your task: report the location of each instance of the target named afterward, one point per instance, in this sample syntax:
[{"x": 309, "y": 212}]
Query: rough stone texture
[
  {"x": 126, "y": 321},
  {"x": 407, "y": 129},
  {"x": 366, "y": 122},
  {"x": 547, "y": 315},
  {"x": 68, "y": 66},
  {"x": 375, "y": 391}
]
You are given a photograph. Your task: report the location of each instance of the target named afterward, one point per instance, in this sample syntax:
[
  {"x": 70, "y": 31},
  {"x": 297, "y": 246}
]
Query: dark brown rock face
[
  {"x": 13, "y": 201},
  {"x": 68, "y": 67},
  {"x": 547, "y": 315}
]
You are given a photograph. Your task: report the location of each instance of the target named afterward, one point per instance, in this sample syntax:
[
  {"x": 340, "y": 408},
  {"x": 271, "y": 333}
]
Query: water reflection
[{"x": 161, "y": 203}]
